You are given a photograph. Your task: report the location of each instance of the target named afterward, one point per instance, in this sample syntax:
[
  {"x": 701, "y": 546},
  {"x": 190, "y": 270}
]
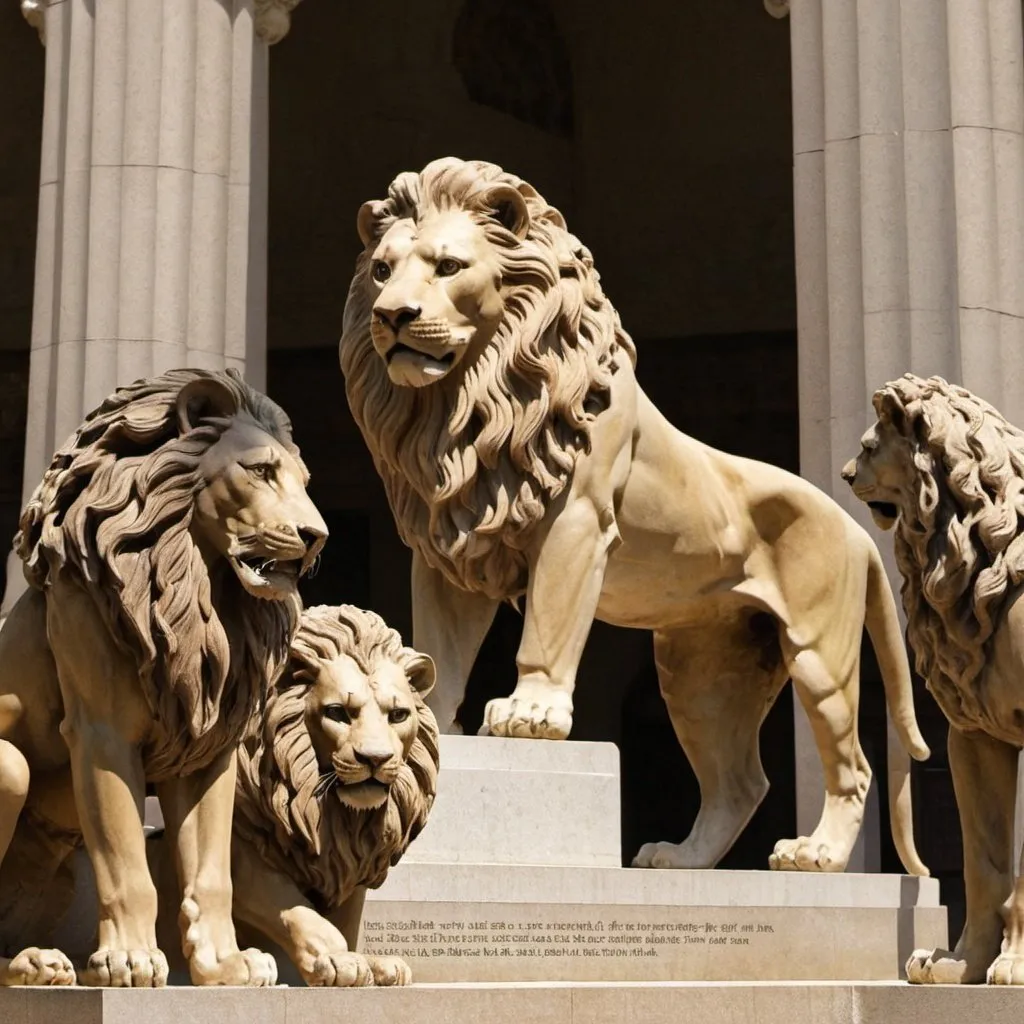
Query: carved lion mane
[
  {"x": 114, "y": 510},
  {"x": 301, "y": 830},
  {"x": 961, "y": 549},
  {"x": 471, "y": 463}
]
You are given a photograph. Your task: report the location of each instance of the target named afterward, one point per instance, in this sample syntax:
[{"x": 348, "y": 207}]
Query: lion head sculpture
[
  {"x": 180, "y": 507},
  {"x": 343, "y": 774},
  {"x": 947, "y": 471},
  {"x": 477, "y": 349}
]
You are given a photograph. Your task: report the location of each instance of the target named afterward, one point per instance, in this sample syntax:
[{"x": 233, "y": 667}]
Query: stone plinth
[
  {"x": 504, "y": 801},
  {"x": 484, "y": 923},
  {"x": 738, "y": 1003}
]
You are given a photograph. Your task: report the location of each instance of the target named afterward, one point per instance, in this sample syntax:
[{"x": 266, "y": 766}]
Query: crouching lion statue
[
  {"x": 946, "y": 470},
  {"x": 494, "y": 386},
  {"x": 164, "y": 548},
  {"x": 332, "y": 791}
]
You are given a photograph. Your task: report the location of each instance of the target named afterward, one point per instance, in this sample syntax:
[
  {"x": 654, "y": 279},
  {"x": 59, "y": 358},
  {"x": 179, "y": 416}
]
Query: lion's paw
[
  {"x": 543, "y": 714},
  {"x": 390, "y": 970},
  {"x": 126, "y": 968},
  {"x": 662, "y": 855},
  {"x": 805, "y": 854},
  {"x": 251, "y": 968},
  {"x": 1007, "y": 969},
  {"x": 35, "y": 966},
  {"x": 340, "y": 970},
  {"x": 937, "y": 967}
]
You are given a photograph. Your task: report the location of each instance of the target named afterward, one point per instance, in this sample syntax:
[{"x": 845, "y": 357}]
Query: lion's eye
[
  {"x": 448, "y": 266},
  {"x": 397, "y": 715},
  {"x": 263, "y": 471},
  {"x": 381, "y": 271},
  {"x": 337, "y": 713}
]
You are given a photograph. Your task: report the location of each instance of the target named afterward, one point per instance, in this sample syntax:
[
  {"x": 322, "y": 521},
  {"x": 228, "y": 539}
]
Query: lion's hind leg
[
  {"x": 718, "y": 684},
  {"x": 827, "y": 684},
  {"x": 32, "y": 966}
]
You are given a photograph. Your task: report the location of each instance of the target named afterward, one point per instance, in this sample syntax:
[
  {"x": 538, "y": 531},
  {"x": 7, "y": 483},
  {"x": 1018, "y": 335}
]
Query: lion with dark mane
[
  {"x": 331, "y": 792},
  {"x": 946, "y": 470},
  {"x": 163, "y": 547},
  {"x": 495, "y": 388}
]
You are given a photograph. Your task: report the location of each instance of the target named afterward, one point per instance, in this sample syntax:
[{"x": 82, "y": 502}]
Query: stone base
[
  {"x": 737, "y": 1003},
  {"x": 481, "y": 923}
]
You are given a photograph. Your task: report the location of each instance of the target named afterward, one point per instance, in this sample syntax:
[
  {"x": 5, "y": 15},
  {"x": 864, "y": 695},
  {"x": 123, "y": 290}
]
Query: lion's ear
[
  {"x": 203, "y": 398},
  {"x": 366, "y": 220},
  {"x": 422, "y": 673},
  {"x": 509, "y": 209}
]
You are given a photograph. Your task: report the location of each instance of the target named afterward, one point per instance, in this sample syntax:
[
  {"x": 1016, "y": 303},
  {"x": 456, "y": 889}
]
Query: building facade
[{"x": 789, "y": 204}]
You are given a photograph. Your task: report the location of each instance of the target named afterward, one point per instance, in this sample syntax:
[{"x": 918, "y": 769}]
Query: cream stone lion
[
  {"x": 332, "y": 791},
  {"x": 494, "y": 386},
  {"x": 164, "y": 547},
  {"x": 947, "y": 471}
]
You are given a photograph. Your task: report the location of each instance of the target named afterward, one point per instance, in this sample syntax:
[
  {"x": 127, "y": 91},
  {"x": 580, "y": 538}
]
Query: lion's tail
[{"x": 883, "y": 627}]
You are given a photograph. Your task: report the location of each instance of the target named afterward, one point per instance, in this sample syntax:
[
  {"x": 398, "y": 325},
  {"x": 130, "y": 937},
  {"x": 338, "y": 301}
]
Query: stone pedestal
[{"x": 516, "y": 878}]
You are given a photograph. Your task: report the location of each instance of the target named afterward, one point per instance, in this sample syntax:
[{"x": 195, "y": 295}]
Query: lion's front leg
[
  {"x": 197, "y": 812},
  {"x": 566, "y": 577},
  {"x": 450, "y": 625},
  {"x": 388, "y": 971},
  {"x": 985, "y": 781},
  {"x": 272, "y": 903}
]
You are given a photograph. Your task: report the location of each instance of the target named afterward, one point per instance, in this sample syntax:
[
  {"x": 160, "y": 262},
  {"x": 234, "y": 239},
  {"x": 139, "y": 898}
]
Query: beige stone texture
[
  {"x": 910, "y": 235},
  {"x": 481, "y": 923},
  {"x": 331, "y": 792},
  {"x": 188, "y": 489},
  {"x": 503, "y": 801},
  {"x": 738, "y": 1003},
  {"x": 150, "y": 250},
  {"x": 943, "y": 469},
  {"x": 503, "y": 367}
]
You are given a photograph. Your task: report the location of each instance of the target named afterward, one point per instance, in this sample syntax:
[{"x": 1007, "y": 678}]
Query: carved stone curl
[
  {"x": 332, "y": 790},
  {"x": 494, "y": 386},
  {"x": 274, "y": 19},
  {"x": 945, "y": 471},
  {"x": 163, "y": 548}
]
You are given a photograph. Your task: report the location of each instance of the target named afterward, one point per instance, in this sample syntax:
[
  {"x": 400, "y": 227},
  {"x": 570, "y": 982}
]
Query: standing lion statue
[
  {"x": 164, "y": 548},
  {"x": 331, "y": 792},
  {"x": 494, "y": 386},
  {"x": 946, "y": 470}
]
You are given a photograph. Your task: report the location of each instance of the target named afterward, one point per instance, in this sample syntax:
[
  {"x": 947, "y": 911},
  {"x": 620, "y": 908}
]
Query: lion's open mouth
[
  {"x": 266, "y": 577},
  {"x": 414, "y": 359},
  {"x": 884, "y": 513}
]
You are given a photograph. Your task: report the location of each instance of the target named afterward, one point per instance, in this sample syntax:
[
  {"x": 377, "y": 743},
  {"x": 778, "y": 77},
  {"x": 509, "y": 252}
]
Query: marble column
[
  {"x": 908, "y": 143},
  {"x": 152, "y": 236}
]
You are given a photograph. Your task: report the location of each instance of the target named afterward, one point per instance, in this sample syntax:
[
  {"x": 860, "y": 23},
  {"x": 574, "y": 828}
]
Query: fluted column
[
  {"x": 151, "y": 245},
  {"x": 908, "y": 141}
]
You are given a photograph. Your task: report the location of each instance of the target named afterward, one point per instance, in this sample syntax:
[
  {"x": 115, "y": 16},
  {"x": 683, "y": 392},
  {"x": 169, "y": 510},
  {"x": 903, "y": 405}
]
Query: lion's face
[
  {"x": 254, "y": 511},
  {"x": 362, "y": 727},
  {"x": 881, "y": 473},
  {"x": 438, "y": 295}
]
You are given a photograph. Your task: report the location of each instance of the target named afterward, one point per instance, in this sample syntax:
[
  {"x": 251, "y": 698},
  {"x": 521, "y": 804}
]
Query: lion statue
[
  {"x": 164, "y": 548},
  {"x": 495, "y": 388},
  {"x": 332, "y": 791},
  {"x": 945, "y": 471}
]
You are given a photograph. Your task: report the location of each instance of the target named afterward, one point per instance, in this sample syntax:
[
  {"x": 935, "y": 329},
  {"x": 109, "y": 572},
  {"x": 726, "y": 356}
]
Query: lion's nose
[
  {"x": 849, "y": 472},
  {"x": 397, "y": 316},
  {"x": 373, "y": 758}
]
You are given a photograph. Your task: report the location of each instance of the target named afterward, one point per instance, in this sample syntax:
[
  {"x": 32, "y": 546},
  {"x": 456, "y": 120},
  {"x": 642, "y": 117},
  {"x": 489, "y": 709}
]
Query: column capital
[
  {"x": 777, "y": 8},
  {"x": 273, "y": 19},
  {"x": 35, "y": 14}
]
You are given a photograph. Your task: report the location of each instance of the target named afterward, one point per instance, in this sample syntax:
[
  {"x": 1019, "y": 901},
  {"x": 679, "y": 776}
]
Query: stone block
[
  {"x": 503, "y": 801},
  {"x": 478, "y": 923}
]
